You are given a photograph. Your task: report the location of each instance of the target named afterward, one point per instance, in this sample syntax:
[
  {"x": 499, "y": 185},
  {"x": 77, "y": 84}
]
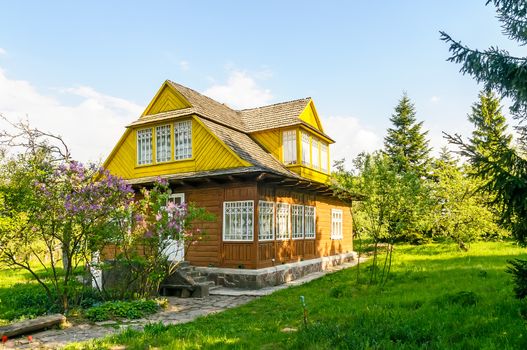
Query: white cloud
[
  {"x": 90, "y": 127},
  {"x": 184, "y": 65},
  {"x": 3, "y": 51},
  {"x": 351, "y": 138},
  {"x": 240, "y": 91},
  {"x": 435, "y": 99}
]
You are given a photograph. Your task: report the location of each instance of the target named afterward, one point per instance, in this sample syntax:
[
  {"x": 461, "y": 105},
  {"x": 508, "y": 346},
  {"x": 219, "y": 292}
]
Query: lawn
[{"x": 438, "y": 298}]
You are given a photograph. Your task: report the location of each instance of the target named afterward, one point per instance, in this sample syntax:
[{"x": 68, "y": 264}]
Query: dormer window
[
  {"x": 183, "y": 140},
  {"x": 289, "y": 147},
  {"x": 163, "y": 149},
  {"x": 144, "y": 146}
]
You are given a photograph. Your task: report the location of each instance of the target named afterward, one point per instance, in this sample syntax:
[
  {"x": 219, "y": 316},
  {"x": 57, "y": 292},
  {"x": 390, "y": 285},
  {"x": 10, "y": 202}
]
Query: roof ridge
[
  {"x": 203, "y": 95},
  {"x": 273, "y": 104}
]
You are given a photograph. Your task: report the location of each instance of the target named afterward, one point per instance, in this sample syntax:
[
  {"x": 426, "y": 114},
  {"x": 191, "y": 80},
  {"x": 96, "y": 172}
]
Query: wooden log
[{"x": 28, "y": 326}]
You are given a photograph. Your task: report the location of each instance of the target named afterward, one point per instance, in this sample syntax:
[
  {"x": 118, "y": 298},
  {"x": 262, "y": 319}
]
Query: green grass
[{"x": 438, "y": 298}]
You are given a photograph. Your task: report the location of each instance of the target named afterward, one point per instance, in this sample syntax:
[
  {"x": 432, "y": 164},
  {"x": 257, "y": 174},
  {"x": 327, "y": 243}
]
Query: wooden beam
[{"x": 28, "y": 326}]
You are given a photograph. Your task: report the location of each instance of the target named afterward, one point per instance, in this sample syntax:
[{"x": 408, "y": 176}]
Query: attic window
[
  {"x": 289, "y": 147},
  {"x": 163, "y": 150},
  {"x": 315, "y": 160},
  {"x": 144, "y": 146},
  {"x": 324, "y": 156},
  {"x": 183, "y": 140}
]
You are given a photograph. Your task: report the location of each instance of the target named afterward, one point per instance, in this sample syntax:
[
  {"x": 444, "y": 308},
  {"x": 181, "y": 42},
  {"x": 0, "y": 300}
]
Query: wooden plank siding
[{"x": 303, "y": 249}]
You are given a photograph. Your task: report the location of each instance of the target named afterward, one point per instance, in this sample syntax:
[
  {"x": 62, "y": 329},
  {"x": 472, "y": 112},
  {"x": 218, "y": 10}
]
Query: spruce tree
[
  {"x": 504, "y": 170},
  {"x": 406, "y": 143},
  {"x": 490, "y": 133}
]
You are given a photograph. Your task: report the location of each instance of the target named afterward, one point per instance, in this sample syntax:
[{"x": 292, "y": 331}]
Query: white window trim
[
  {"x": 315, "y": 153},
  {"x": 273, "y": 228},
  {"x": 184, "y": 156},
  {"x": 252, "y": 223},
  {"x": 138, "y": 139},
  {"x": 314, "y": 222},
  {"x": 290, "y": 136},
  {"x": 302, "y": 229},
  {"x": 305, "y": 148},
  {"x": 177, "y": 195},
  {"x": 169, "y": 143},
  {"x": 288, "y": 222},
  {"x": 337, "y": 220},
  {"x": 324, "y": 164}
]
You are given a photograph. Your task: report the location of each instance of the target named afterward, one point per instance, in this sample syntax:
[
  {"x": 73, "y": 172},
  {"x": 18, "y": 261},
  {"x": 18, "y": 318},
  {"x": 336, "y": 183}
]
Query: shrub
[
  {"x": 112, "y": 310},
  {"x": 518, "y": 269}
]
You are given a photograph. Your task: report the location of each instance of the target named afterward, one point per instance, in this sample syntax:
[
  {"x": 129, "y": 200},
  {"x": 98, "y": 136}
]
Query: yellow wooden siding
[
  {"x": 208, "y": 152},
  {"x": 310, "y": 116},
  {"x": 166, "y": 99},
  {"x": 271, "y": 140}
]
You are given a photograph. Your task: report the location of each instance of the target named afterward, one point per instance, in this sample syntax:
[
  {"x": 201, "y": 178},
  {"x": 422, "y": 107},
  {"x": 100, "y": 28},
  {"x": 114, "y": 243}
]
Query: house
[{"x": 262, "y": 171}]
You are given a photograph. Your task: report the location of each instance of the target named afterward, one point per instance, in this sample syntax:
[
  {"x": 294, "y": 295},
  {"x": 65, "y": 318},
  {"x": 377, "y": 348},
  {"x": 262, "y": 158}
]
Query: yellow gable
[
  {"x": 209, "y": 153},
  {"x": 166, "y": 99},
  {"x": 310, "y": 116}
]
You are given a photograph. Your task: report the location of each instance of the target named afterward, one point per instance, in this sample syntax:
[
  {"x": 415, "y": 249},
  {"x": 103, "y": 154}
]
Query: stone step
[{"x": 199, "y": 279}]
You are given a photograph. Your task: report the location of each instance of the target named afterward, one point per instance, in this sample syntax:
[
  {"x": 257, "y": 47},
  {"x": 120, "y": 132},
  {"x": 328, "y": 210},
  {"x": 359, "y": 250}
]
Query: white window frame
[
  {"x": 243, "y": 236},
  {"x": 289, "y": 147},
  {"x": 266, "y": 211},
  {"x": 336, "y": 224},
  {"x": 315, "y": 153},
  {"x": 306, "y": 147},
  {"x": 297, "y": 221},
  {"x": 324, "y": 154},
  {"x": 283, "y": 217},
  {"x": 163, "y": 143},
  {"x": 310, "y": 214},
  {"x": 173, "y": 196},
  {"x": 144, "y": 146},
  {"x": 183, "y": 140}
]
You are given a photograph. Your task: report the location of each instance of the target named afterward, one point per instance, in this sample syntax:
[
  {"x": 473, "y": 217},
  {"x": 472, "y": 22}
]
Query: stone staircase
[
  {"x": 194, "y": 275},
  {"x": 186, "y": 282}
]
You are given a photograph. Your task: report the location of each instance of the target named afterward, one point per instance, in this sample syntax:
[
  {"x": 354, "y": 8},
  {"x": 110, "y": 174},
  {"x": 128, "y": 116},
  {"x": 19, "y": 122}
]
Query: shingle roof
[
  {"x": 247, "y": 149},
  {"x": 274, "y": 116},
  {"x": 233, "y": 127}
]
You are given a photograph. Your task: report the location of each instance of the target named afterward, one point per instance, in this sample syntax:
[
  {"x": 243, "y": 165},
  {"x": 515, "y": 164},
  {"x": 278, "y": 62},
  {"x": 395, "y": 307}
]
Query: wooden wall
[{"x": 303, "y": 249}]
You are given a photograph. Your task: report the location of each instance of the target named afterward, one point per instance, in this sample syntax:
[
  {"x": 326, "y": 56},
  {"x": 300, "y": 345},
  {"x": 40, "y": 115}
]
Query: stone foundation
[{"x": 271, "y": 276}]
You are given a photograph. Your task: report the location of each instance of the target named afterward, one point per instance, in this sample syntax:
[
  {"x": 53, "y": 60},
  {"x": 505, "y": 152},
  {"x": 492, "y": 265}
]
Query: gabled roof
[
  {"x": 233, "y": 127},
  {"x": 274, "y": 116}
]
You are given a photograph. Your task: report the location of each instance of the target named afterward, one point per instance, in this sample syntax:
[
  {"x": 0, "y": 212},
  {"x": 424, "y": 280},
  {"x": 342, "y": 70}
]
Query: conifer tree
[
  {"x": 505, "y": 168},
  {"x": 406, "y": 143},
  {"x": 490, "y": 133}
]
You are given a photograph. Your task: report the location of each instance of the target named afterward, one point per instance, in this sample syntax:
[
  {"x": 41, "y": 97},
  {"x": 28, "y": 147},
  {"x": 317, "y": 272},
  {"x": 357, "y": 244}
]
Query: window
[
  {"x": 289, "y": 147},
  {"x": 282, "y": 221},
  {"x": 336, "y": 224},
  {"x": 163, "y": 143},
  {"x": 238, "y": 221},
  {"x": 309, "y": 214},
  {"x": 183, "y": 140},
  {"x": 305, "y": 149},
  {"x": 266, "y": 221},
  {"x": 324, "y": 156},
  {"x": 315, "y": 154},
  {"x": 144, "y": 146},
  {"x": 297, "y": 221}
]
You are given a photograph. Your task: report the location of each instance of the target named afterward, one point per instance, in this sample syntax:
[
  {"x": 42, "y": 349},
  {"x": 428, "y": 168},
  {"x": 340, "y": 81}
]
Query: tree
[
  {"x": 50, "y": 209},
  {"x": 504, "y": 170},
  {"x": 406, "y": 143},
  {"x": 459, "y": 212},
  {"x": 385, "y": 210}
]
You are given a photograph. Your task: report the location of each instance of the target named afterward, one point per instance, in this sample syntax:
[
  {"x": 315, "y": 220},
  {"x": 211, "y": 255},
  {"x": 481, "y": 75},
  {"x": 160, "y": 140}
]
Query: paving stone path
[{"x": 180, "y": 310}]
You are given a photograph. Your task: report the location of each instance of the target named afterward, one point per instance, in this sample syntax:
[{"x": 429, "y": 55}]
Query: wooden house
[{"x": 262, "y": 171}]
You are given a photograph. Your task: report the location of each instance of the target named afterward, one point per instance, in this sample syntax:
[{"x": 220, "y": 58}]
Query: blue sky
[{"x": 87, "y": 69}]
